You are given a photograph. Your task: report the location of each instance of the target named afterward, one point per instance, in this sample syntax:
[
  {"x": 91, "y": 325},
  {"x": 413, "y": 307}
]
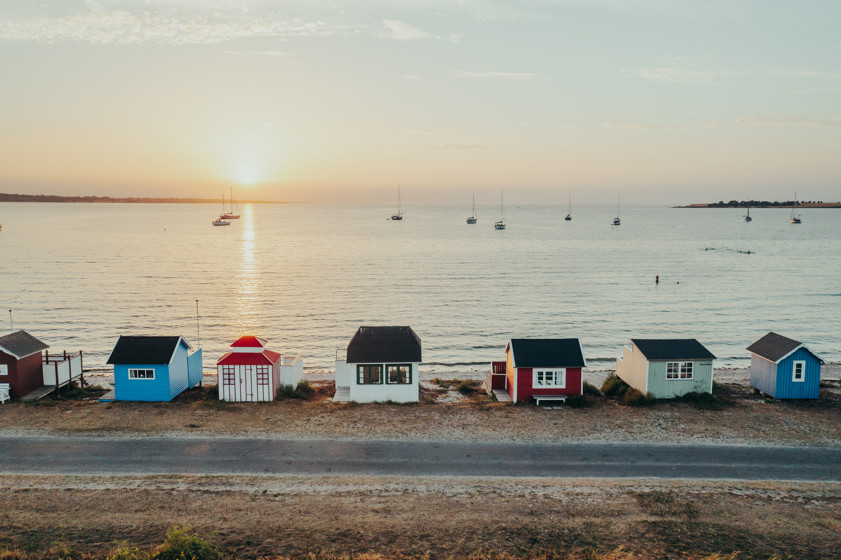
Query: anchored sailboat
[
  {"x": 795, "y": 219},
  {"x": 569, "y": 211},
  {"x": 500, "y": 224},
  {"x": 399, "y": 214},
  {"x": 231, "y": 213},
  {"x": 616, "y": 220},
  {"x": 747, "y": 216},
  {"x": 472, "y": 218}
]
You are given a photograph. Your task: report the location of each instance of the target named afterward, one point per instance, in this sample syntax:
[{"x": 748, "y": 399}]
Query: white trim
[
  {"x": 581, "y": 349},
  {"x": 4, "y": 369},
  {"x": 555, "y": 372},
  {"x": 803, "y": 346},
  {"x": 794, "y": 365},
  {"x": 141, "y": 378}
]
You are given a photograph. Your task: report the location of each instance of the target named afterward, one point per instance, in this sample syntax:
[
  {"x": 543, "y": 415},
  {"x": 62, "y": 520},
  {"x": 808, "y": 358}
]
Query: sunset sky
[{"x": 661, "y": 101}]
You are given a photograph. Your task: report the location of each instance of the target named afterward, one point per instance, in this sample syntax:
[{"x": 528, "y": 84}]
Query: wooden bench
[
  {"x": 539, "y": 398},
  {"x": 4, "y": 392}
]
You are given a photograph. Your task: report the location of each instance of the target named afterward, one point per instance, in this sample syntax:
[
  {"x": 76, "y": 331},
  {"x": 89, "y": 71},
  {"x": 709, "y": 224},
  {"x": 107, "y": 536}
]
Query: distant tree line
[
  {"x": 6, "y": 197},
  {"x": 760, "y": 203}
]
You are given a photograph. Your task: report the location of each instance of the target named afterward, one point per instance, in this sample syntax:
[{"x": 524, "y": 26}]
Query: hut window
[
  {"x": 798, "y": 371},
  {"x": 228, "y": 375},
  {"x": 263, "y": 375},
  {"x": 369, "y": 374},
  {"x": 672, "y": 370},
  {"x": 555, "y": 378},
  {"x": 141, "y": 373},
  {"x": 687, "y": 370},
  {"x": 4, "y": 369},
  {"x": 400, "y": 373}
]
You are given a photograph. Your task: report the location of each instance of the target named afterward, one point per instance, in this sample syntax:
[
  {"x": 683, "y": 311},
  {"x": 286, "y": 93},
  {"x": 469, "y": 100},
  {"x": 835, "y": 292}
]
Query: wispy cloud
[
  {"x": 402, "y": 31},
  {"x": 795, "y": 120},
  {"x": 457, "y": 147},
  {"x": 434, "y": 132},
  {"x": 270, "y": 53},
  {"x": 124, "y": 27},
  {"x": 676, "y": 75},
  {"x": 499, "y": 75},
  {"x": 628, "y": 126}
]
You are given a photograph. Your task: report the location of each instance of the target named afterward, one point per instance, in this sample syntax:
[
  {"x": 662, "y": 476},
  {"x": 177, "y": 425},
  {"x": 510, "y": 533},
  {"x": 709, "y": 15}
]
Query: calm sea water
[{"x": 306, "y": 276}]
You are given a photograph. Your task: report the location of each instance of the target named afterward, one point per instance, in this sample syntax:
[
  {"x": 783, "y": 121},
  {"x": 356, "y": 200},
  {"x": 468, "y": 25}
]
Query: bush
[
  {"x": 613, "y": 386},
  {"x": 579, "y": 401},
  {"x": 211, "y": 392},
  {"x": 466, "y": 388},
  {"x": 303, "y": 391},
  {"x": 632, "y": 397},
  {"x": 180, "y": 544},
  {"x": 128, "y": 553},
  {"x": 704, "y": 401},
  {"x": 592, "y": 390}
]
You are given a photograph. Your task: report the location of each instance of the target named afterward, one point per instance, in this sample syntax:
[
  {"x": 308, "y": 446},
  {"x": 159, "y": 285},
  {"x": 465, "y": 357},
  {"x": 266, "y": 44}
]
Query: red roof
[
  {"x": 249, "y": 359},
  {"x": 249, "y": 341}
]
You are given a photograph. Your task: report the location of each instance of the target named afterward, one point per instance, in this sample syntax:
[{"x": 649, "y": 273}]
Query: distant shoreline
[
  {"x": 6, "y": 197},
  {"x": 763, "y": 204}
]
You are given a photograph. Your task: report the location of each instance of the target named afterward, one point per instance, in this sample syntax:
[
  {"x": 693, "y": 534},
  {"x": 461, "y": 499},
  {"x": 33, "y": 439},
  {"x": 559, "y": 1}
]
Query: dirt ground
[
  {"x": 445, "y": 414},
  {"x": 429, "y": 518}
]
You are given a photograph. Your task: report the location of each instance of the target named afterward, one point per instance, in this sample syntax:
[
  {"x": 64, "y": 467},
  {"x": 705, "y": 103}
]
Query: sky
[{"x": 656, "y": 101}]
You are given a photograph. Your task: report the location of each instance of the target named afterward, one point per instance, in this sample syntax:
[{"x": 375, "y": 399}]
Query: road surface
[{"x": 156, "y": 455}]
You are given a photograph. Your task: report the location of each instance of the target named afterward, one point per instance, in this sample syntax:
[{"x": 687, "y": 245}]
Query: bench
[
  {"x": 4, "y": 392},
  {"x": 539, "y": 398}
]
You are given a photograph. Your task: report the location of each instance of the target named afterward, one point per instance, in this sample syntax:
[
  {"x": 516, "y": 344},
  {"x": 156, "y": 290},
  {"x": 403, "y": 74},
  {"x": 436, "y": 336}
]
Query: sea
[{"x": 306, "y": 276}]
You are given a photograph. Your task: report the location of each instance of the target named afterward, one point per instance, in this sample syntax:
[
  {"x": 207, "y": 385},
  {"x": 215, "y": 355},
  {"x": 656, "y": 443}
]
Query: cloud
[
  {"x": 457, "y": 147},
  {"x": 433, "y": 132},
  {"x": 270, "y": 53},
  {"x": 501, "y": 75},
  {"x": 123, "y": 27},
  {"x": 412, "y": 77},
  {"x": 675, "y": 75},
  {"x": 775, "y": 120},
  {"x": 402, "y": 31},
  {"x": 627, "y": 126}
]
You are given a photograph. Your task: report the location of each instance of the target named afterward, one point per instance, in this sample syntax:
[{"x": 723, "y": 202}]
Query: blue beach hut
[
  {"x": 154, "y": 368},
  {"x": 784, "y": 368}
]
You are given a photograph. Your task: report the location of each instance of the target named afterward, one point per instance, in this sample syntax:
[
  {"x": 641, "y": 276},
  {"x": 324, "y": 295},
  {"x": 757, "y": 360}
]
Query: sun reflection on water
[{"x": 248, "y": 278}]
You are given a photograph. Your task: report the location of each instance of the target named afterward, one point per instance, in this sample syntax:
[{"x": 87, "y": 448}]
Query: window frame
[
  {"x": 144, "y": 378},
  {"x": 262, "y": 375},
  {"x": 387, "y": 374},
  {"x": 229, "y": 376},
  {"x": 680, "y": 371},
  {"x": 557, "y": 373},
  {"x": 359, "y": 374},
  {"x": 802, "y": 364}
]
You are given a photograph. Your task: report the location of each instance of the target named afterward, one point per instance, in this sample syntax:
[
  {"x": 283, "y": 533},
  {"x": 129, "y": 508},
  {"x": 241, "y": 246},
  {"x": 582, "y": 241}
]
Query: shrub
[
  {"x": 305, "y": 388},
  {"x": 466, "y": 388},
  {"x": 613, "y": 386},
  {"x": 704, "y": 401},
  {"x": 180, "y": 544},
  {"x": 632, "y": 397},
  {"x": 211, "y": 392},
  {"x": 592, "y": 390},
  {"x": 303, "y": 391},
  {"x": 579, "y": 401},
  {"x": 128, "y": 553}
]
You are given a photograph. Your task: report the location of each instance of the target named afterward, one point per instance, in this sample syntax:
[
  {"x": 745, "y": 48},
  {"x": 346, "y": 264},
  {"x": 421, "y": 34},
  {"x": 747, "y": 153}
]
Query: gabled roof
[
  {"x": 145, "y": 349},
  {"x": 384, "y": 345},
  {"x": 672, "y": 349},
  {"x": 21, "y": 344},
  {"x": 776, "y": 347},
  {"x": 248, "y": 359},
  {"x": 547, "y": 352},
  {"x": 249, "y": 341}
]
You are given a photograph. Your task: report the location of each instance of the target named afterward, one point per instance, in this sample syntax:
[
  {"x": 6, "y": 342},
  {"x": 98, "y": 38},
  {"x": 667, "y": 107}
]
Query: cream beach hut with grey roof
[{"x": 666, "y": 368}]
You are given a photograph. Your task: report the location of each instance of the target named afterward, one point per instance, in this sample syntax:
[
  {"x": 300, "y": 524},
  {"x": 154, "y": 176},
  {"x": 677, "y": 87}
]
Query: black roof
[
  {"x": 774, "y": 347},
  {"x": 547, "y": 352},
  {"x": 21, "y": 344},
  {"x": 384, "y": 344},
  {"x": 144, "y": 349},
  {"x": 672, "y": 349}
]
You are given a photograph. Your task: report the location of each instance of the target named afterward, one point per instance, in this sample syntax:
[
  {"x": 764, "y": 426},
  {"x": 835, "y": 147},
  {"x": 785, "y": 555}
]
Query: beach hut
[
  {"x": 666, "y": 368},
  {"x": 543, "y": 369},
  {"x": 251, "y": 373},
  {"x": 784, "y": 368},
  {"x": 381, "y": 364},
  {"x": 21, "y": 363},
  {"x": 154, "y": 368}
]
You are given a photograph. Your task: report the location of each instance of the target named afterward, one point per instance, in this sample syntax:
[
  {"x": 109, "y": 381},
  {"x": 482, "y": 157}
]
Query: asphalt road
[{"x": 116, "y": 456}]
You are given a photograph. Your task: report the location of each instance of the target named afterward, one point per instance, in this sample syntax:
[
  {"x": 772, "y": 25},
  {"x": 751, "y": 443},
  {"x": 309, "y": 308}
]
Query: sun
[{"x": 247, "y": 175}]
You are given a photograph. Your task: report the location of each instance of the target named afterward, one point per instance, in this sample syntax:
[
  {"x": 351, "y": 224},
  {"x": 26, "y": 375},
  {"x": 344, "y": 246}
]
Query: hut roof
[
  {"x": 145, "y": 349},
  {"x": 384, "y": 344},
  {"x": 547, "y": 352},
  {"x": 21, "y": 344},
  {"x": 672, "y": 349},
  {"x": 776, "y": 347}
]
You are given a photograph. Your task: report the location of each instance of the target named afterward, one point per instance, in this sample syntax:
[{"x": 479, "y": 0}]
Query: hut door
[{"x": 250, "y": 383}]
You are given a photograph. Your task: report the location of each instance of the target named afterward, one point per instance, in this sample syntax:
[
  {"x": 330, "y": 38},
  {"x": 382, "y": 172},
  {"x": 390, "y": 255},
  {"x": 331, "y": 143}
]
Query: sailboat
[
  {"x": 747, "y": 216},
  {"x": 794, "y": 218},
  {"x": 472, "y": 218},
  {"x": 569, "y": 211},
  {"x": 616, "y": 220},
  {"x": 228, "y": 214},
  {"x": 220, "y": 221},
  {"x": 399, "y": 214},
  {"x": 500, "y": 224}
]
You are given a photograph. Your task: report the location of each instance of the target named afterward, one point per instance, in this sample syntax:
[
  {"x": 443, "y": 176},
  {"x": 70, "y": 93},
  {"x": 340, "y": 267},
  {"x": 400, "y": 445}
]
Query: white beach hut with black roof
[
  {"x": 666, "y": 367},
  {"x": 381, "y": 364}
]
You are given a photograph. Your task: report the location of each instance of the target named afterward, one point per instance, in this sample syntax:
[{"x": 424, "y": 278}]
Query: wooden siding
[
  {"x": 763, "y": 375},
  {"x": 157, "y": 389},
  {"x": 194, "y": 368},
  {"x": 179, "y": 372},
  {"x": 511, "y": 375},
  {"x": 806, "y": 389},
  {"x": 662, "y": 388},
  {"x": 526, "y": 391},
  {"x": 632, "y": 368},
  {"x": 24, "y": 376}
]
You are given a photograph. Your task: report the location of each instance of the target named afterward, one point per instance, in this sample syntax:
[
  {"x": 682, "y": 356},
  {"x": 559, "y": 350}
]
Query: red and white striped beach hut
[{"x": 251, "y": 373}]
